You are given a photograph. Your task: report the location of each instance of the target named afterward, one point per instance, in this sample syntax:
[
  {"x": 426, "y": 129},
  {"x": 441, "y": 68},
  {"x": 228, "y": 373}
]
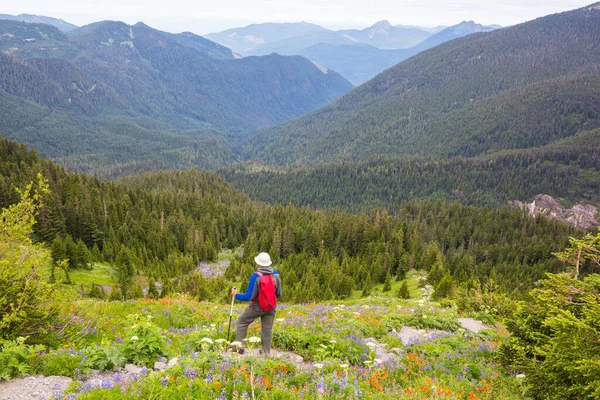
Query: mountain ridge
[
  {"x": 469, "y": 77},
  {"x": 181, "y": 85}
]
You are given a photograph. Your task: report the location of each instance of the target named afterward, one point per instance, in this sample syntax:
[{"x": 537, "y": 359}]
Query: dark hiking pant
[{"x": 267, "y": 318}]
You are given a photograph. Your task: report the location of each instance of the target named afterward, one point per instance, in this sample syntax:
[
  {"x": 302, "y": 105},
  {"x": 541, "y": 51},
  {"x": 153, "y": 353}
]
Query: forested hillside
[
  {"x": 568, "y": 168},
  {"x": 161, "y": 224},
  {"x": 134, "y": 98},
  {"x": 514, "y": 88}
]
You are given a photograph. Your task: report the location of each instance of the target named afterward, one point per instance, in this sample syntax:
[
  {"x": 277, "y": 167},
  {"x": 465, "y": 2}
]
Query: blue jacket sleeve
[{"x": 248, "y": 295}]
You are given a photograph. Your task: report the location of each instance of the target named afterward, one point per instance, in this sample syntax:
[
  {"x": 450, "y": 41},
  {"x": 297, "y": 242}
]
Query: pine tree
[
  {"x": 152, "y": 290},
  {"x": 403, "y": 292},
  {"x": 445, "y": 288},
  {"x": 124, "y": 271},
  {"x": 387, "y": 285}
]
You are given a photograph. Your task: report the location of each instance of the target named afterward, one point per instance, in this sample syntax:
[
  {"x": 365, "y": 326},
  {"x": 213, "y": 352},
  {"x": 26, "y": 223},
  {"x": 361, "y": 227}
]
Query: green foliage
[
  {"x": 445, "y": 287},
  {"x": 60, "y": 363},
  {"x": 146, "y": 341},
  {"x": 16, "y": 357},
  {"x": 567, "y": 168},
  {"x": 105, "y": 356},
  {"x": 486, "y": 300},
  {"x": 28, "y": 303},
  {"x": 554, "y": 339},
  {"x": 403, "y": 292},
  {"x": 586, "y": 248}
]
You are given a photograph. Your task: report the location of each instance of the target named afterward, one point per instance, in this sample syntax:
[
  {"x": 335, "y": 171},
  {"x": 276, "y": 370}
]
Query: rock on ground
[
  {"x": 472, "y": 325},
  {"x": 33, "y": 387}
]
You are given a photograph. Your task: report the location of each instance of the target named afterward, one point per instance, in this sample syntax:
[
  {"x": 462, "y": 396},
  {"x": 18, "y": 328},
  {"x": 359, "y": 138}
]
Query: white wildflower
[
  {"x": 344, "y": 366},
  {"x": 520, "y": 376},
  {"x": 206, "y": 340},
  {"x": 378, "y": 361},
  {"x": 134, "y": 338},
  {"x": 254, "y": 339},
  {"x": 333, "y": 341},
  {"x": 280, "y": 319},
  {"x": 319, "y": 366},
  {"x": 236, "y": 344},
  {"x": 221, "y": 340}
]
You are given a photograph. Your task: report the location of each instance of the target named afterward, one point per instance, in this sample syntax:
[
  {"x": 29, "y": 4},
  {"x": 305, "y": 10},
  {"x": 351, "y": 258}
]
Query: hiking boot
[{"x": 236, "y": 349}]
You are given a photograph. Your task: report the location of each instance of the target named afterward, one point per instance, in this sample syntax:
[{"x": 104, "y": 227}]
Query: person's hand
[{"x": 233, "y": 292}]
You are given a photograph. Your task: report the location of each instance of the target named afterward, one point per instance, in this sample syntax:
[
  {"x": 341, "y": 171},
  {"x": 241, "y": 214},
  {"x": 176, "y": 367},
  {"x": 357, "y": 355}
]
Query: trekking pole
[{"x": 230, "y": 315}]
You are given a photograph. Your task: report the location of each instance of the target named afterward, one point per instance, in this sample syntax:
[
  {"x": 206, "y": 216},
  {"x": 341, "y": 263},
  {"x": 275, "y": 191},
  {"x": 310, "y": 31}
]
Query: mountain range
[
  {"x": 514, "y": 88},
  {"x": 111, "y": 94},
  {"x": 358, "y": 55},
  {"x": 38, "y": 19}
]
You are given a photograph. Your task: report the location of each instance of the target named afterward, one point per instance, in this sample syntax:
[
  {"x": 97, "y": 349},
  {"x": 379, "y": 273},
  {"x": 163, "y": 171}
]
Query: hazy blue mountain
[
  {"x": 386, "y": 36},
  {"x": 356, "y": 62},
  {"x": 360, "y": 62},
  {"x": 457, "y": 31},
  {"x": 111, "y": 93},
  {"x": 358, "y": 55},
  {"x": 248, "y": 40},
  {"x": 519, "y": 87},
  {"x": 38, "y": 19},
  {"x": 292, "y": 38}
]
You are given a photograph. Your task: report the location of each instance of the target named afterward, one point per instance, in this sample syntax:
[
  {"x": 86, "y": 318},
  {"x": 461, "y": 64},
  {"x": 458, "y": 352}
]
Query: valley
[{"x": 435, "y": 230}]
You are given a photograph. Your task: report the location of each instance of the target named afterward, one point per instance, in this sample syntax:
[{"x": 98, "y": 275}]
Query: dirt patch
[
  {"x": 472, "y": 324},
  {"x": 34, "y": 387}
]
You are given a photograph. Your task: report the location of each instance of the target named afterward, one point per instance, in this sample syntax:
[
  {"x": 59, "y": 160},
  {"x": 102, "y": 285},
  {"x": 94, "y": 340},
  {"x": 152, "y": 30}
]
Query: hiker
[{"x": 263, "y": 291}]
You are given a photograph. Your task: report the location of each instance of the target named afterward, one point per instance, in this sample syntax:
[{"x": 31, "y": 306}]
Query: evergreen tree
[
  {"x": 124, "y": 271},
  {"x": 403, "y": 292},
  {"x": 445, "y": 288},
  {"x": 387, "y": 285},
  {"x": 152, "y": 290}
]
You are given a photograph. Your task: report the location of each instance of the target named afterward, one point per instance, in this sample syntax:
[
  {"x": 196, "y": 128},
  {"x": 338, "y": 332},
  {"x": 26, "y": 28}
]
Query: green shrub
[
  {"x": 555, "y": 340},
  {"x": 105, "y": 356},
  {"x": 146, "y": 341},
  {"x": 484, "y": 300},
  {"x": 16, "y": 357},
  {"x": 63, "y": 363},
  {"x": 29, "y": 302}
]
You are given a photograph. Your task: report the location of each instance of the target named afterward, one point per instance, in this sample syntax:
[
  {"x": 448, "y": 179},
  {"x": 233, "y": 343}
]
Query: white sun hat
[{"x": 263, "y": 259}]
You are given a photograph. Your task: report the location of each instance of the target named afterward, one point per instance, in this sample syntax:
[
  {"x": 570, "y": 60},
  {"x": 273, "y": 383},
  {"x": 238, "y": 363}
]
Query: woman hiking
[{"x": 263, "y": 291}]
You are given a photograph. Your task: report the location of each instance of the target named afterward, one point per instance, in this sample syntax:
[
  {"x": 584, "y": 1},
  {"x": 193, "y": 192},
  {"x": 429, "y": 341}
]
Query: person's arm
[
  {"x": 278, "y": 290},
  {"x": 248, "y": 295}
]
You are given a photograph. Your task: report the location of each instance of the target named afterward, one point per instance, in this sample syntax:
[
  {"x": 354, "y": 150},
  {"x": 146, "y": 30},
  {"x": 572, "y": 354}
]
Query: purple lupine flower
[
  {"x": 163, "y": 381},
  {"x": 321, "y": 386},
  {"x": 190, "y": 373}
]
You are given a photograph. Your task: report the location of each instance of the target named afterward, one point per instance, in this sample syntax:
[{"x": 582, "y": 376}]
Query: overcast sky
[{"x": 202, "y": 16}]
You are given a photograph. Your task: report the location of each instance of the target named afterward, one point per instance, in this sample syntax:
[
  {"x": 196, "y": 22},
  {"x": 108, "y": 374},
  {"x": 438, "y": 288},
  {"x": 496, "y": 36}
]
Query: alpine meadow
[{"x": 432, "y": 233}]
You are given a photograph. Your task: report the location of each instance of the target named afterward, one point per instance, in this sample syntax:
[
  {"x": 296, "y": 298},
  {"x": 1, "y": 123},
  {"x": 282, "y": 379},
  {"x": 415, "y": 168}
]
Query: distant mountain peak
[{"x": 382, "y": 25}]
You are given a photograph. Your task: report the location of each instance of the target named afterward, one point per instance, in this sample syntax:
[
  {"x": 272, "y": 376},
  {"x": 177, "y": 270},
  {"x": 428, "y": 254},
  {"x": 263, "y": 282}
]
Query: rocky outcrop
[{"x": 582, "y": 216}]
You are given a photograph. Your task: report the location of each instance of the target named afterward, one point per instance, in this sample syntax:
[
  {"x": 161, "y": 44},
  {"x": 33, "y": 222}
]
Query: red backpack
[{"x": 267, "y": 299}]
